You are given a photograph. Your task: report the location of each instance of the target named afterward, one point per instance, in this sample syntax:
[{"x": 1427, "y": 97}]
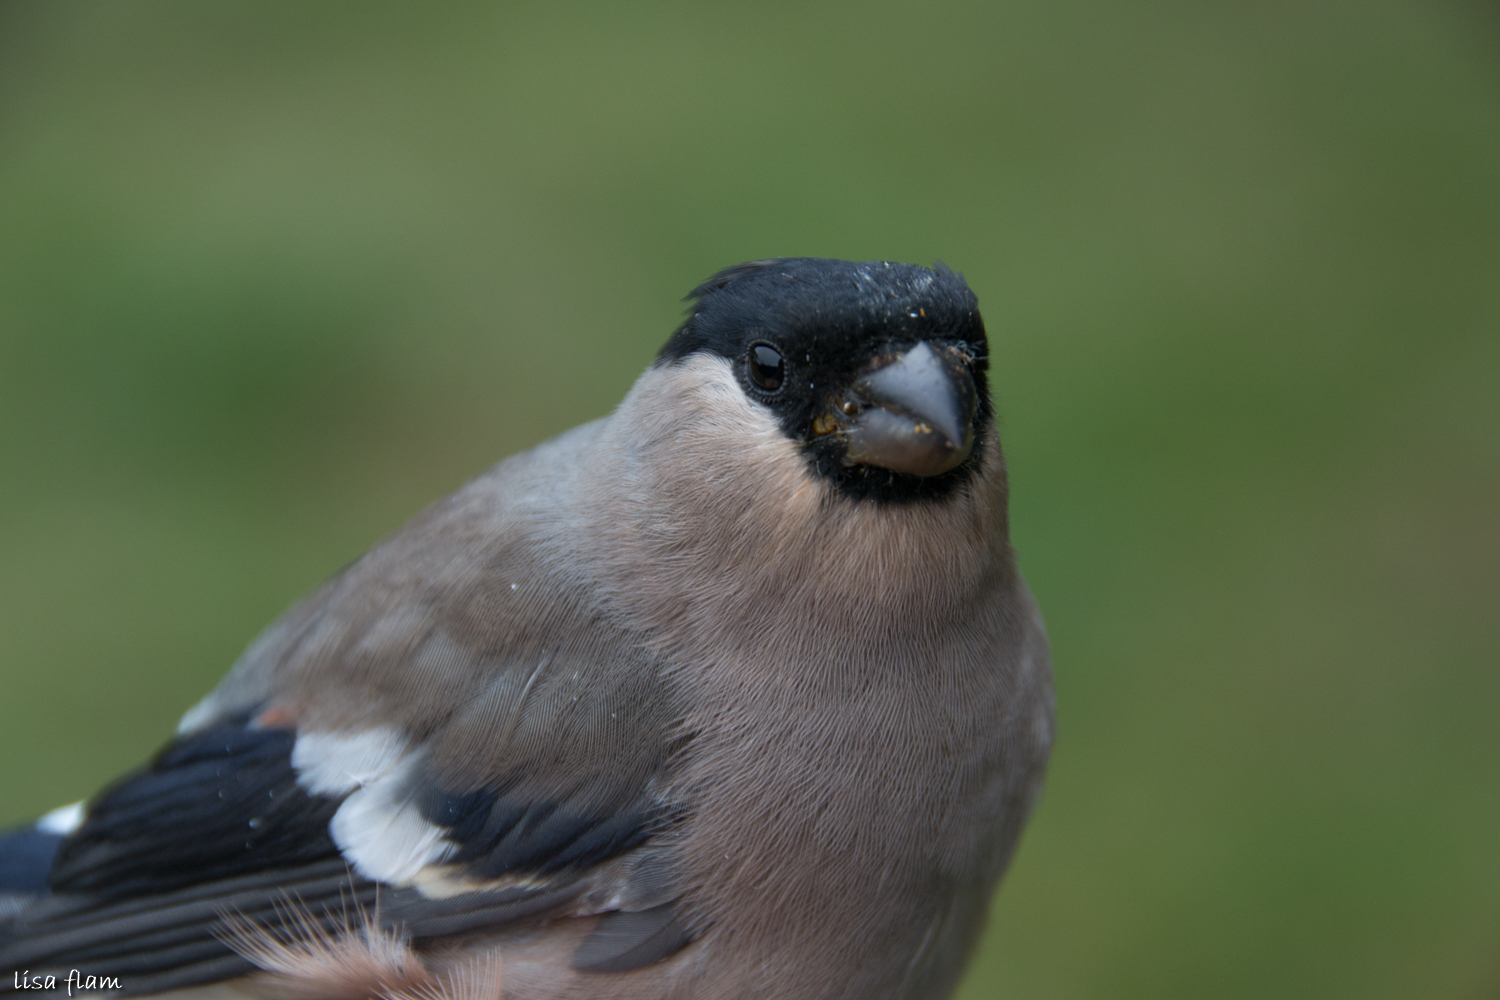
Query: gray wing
[{"x": 456, "y": 709}]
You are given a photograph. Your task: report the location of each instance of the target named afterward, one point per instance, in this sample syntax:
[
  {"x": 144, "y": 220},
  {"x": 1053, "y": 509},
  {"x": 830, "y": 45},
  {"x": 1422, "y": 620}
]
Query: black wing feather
[
  {"x": 214, "y": 805},
  {"x": 25, "y": 858},
  {"x": 500, "y": 834},
  {"x": 217, "y": 824}
]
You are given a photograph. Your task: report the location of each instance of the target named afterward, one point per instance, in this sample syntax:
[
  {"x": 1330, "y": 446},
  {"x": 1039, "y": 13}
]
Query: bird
[{"x": 736, "y": 692}]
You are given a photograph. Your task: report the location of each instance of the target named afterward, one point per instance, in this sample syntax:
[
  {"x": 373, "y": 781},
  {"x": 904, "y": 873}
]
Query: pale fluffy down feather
[{"x": 356, "y": 960}]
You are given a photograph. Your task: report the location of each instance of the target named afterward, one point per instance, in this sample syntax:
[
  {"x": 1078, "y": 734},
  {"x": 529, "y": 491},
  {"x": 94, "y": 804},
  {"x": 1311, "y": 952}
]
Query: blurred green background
[{"x": 274, "y": 276}]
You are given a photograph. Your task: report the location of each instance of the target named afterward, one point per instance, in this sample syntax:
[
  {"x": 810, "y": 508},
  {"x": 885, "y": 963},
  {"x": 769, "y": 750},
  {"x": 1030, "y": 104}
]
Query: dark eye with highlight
[{"x": 767, "y": 369}]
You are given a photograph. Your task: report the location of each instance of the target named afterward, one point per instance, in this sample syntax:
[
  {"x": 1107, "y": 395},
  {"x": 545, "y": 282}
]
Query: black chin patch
[{"x": 830, "y": 319}]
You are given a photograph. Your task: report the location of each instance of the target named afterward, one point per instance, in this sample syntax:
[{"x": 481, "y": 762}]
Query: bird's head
[{"x": 875, "y": 371}]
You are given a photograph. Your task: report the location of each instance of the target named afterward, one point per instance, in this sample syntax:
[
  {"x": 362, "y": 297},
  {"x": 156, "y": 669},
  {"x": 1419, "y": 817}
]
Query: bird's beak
[{"x": 914, "y": 414}]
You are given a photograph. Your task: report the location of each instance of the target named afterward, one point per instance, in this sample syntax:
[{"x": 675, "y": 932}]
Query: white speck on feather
[{"x": 62, "y": 821}]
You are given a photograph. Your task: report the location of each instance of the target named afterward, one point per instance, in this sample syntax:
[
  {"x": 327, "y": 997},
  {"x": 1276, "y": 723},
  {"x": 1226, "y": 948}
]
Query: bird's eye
[{"x": 767, "y": 370}]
